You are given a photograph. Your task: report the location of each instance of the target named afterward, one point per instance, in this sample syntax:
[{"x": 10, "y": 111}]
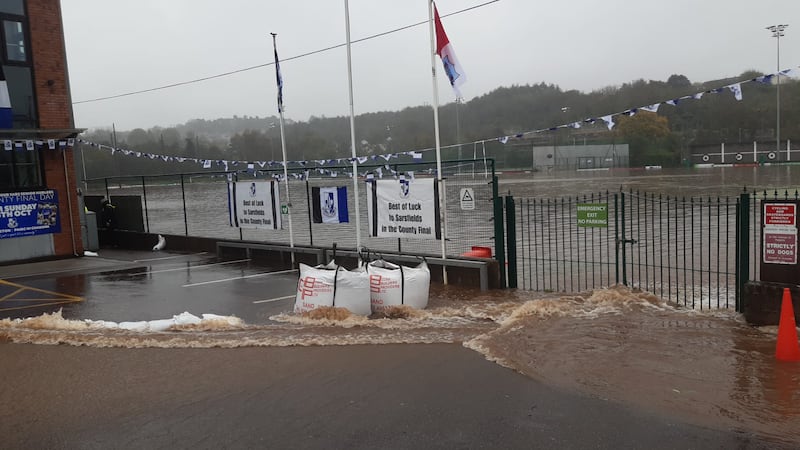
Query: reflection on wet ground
[{"x": 709, "y": 368}]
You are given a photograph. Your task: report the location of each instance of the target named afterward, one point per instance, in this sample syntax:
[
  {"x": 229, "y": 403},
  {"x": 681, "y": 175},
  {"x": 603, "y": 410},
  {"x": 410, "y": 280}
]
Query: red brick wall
[{"x": 55, "y": 112}]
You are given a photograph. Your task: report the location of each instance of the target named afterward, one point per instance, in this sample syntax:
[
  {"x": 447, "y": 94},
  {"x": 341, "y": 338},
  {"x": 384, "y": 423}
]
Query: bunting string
[
  {"x": 37, "y": 144},
  {"x": 417, "y": 155}
]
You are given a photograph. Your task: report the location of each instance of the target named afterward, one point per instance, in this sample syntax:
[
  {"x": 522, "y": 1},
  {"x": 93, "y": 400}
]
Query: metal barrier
[
  {"x": 686, "y": 250},
  {"x": 196, "y": 204}
]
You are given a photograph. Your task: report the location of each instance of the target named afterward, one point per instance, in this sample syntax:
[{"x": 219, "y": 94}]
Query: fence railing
[
  {"x": 697, "y": 252},
  {"x": 196, "y": 204}
]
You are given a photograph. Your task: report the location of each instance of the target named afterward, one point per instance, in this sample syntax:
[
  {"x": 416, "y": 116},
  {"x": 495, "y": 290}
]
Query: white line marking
[
  {"x": 168, "y": 257},
  {"x": 202, "y": 266},
  {"x": 275, "y": 299},
  {"x": 240, "y": 278}
]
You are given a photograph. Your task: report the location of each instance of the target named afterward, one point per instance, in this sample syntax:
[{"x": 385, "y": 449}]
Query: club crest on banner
[
  {"x": 330, "y": 206},
  {"x": 252, "y": 189},
  {"x": 405, "y": 187}
]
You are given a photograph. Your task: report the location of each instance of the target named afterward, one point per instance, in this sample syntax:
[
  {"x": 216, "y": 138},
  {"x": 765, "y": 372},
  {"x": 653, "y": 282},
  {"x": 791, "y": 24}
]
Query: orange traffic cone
[{"x": 788, "y": 349}]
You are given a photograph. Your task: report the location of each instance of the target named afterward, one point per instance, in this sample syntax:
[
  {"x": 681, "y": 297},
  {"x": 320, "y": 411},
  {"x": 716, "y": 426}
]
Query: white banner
[
  {"x": 254, "y": 204},
  {"x": 404, "y": 208}
]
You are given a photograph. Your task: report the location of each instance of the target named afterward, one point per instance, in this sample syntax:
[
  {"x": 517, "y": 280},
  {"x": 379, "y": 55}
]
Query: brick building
[{"x": 40, "y": 210}]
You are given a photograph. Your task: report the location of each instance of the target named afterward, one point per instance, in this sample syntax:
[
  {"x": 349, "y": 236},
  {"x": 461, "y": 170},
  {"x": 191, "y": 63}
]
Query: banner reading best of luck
[
  {"x": 29, "y": 213},
  {"x": 404, "y": 208},
  {"x": 254, "y": 204}
]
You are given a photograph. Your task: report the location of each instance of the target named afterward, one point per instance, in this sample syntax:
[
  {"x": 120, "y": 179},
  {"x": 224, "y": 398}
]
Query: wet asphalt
[
  {"x": 359, "y": 396},
  {"x": 123, "y": 285}
]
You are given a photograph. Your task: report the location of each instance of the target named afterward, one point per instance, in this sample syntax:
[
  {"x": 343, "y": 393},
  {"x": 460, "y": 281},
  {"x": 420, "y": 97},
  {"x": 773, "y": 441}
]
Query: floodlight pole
[{"x": 777, "y": 32}]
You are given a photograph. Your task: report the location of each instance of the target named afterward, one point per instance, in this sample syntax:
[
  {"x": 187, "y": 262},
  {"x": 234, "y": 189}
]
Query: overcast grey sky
[{"x": 119, "y": 46}]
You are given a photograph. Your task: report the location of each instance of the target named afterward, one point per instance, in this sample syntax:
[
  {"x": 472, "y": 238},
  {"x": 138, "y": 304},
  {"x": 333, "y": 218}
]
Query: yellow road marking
[
  {"x": 55, "y": 298},
  {"x": 11, "y": 294}
]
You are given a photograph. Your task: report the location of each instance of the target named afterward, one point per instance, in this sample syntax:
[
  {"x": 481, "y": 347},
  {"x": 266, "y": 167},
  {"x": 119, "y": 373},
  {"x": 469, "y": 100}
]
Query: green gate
[{"x": 692, "y": 251}]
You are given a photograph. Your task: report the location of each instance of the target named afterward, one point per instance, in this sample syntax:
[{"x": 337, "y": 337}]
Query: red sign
[
  {"x": 780, "y": 247},
  {"x": 779, "y": 214}
]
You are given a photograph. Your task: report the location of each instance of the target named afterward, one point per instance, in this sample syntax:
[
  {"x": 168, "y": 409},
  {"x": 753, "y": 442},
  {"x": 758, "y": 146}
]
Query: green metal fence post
[
  {"x": 185, "y": 217},
  {"x": 742, "y": 247},
  {"x": 499, "y": 238},
  {"x": 511, "y": 241},
  {"x": 623, "y": 241},
  {"x": 616, "y": 238}
]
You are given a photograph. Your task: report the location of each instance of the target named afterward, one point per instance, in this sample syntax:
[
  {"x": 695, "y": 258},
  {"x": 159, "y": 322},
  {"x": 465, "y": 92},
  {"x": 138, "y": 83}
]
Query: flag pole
[
  {"x": 436, "y": 135},
  {"x": 283, "y": 144},
  {"x": 352, "y": 126}
]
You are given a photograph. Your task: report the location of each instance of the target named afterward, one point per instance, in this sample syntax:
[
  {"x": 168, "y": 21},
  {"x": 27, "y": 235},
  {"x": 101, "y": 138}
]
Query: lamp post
[{"x": 777, "y": 32}]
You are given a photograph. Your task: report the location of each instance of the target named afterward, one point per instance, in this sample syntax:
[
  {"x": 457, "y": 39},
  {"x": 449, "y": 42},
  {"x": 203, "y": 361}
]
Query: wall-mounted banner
[
  {"x": 29, "y": 213},
  {"x": 404, "y": 208},
  {"x": 329, "y": 204},
  {"x": 254, "y": 204}
]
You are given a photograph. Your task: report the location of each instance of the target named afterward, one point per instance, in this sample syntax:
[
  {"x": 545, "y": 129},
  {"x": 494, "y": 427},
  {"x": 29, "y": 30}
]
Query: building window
[
  {"x": 15, "y": 41},
  {"x": 20, "y": 169},
  {"x": 16, "y": 7}
]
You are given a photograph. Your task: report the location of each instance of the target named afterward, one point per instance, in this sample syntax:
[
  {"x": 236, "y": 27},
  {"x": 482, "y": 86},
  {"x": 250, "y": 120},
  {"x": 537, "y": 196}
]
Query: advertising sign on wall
[{"x": 29, "y": 213}]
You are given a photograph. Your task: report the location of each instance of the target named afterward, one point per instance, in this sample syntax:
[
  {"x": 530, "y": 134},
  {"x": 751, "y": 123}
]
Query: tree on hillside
[{"x": 649, "y": 138}]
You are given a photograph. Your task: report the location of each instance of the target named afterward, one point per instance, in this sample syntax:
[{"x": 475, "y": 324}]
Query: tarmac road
[
  {"x": 390, "y": 396},
  {"x": 358, "y": 396}
]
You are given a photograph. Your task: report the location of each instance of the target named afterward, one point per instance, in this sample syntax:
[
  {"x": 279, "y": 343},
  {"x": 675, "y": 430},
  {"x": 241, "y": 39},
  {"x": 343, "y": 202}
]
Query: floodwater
[
  {"x": 630, "y": 347},
  {"x": 682, "y": 182},
  {"x": 707, "y": 367}
]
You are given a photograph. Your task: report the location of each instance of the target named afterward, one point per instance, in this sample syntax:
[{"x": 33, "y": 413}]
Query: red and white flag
[{"x": 445, "y": 51}]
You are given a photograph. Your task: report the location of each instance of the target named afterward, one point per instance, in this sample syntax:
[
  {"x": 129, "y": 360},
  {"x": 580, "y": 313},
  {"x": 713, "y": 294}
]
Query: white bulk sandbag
[
  {"x": 394, "y": 285},
  {"x": 332, "y": 285},
  {"x": 352, "y": 291},
  {"x": 314, "y": 288}
]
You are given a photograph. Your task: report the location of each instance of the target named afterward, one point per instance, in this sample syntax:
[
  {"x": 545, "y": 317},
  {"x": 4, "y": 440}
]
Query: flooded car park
[{"x": 128, "y": 285}]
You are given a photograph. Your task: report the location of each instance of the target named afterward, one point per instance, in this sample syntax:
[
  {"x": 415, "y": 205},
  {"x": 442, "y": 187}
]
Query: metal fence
[
  {"x": 681, "y": 249},
  {"x": 697, "y": 251},
  {"x": 196, "y": 204}
]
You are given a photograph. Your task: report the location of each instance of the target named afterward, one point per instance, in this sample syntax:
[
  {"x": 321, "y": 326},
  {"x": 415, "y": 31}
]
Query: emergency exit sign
[{"x": 592, "y": 214}]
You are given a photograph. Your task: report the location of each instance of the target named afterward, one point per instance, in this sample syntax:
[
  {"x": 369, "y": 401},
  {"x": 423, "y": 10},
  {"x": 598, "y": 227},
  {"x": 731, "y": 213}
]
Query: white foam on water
[
  {"x": 55, "y": 321},
  {"x": 615, "y": 343}
]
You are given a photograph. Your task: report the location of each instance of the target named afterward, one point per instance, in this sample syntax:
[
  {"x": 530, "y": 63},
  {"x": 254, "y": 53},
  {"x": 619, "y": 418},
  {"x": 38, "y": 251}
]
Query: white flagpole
[
  {"x": 352, "y": 126},
  {"x": 283, "y": 149},
  {"x": 442, "y": 205}
]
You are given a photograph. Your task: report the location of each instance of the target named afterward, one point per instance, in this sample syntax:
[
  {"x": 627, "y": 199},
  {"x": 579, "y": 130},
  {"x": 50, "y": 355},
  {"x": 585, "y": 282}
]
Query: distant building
[
  {"x": 40, "y": 210},
  {"x": 573, "y": 157}
]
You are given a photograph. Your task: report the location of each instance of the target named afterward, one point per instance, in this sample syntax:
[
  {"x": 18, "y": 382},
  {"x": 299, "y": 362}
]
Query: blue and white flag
[
  {"x": 6, "y": 116},
  {"x": 737, "y": 90},
  {"x": 329, "y": 204}
]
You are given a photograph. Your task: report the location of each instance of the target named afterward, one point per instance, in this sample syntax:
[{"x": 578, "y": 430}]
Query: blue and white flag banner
[
  {"x": 254, "y": 204},
  {"x": 416, "y": 155},
  {"x": 329, "y": 204},
  {"x": 30, "y": 145},
  {"x": 29, "y": 213}
]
